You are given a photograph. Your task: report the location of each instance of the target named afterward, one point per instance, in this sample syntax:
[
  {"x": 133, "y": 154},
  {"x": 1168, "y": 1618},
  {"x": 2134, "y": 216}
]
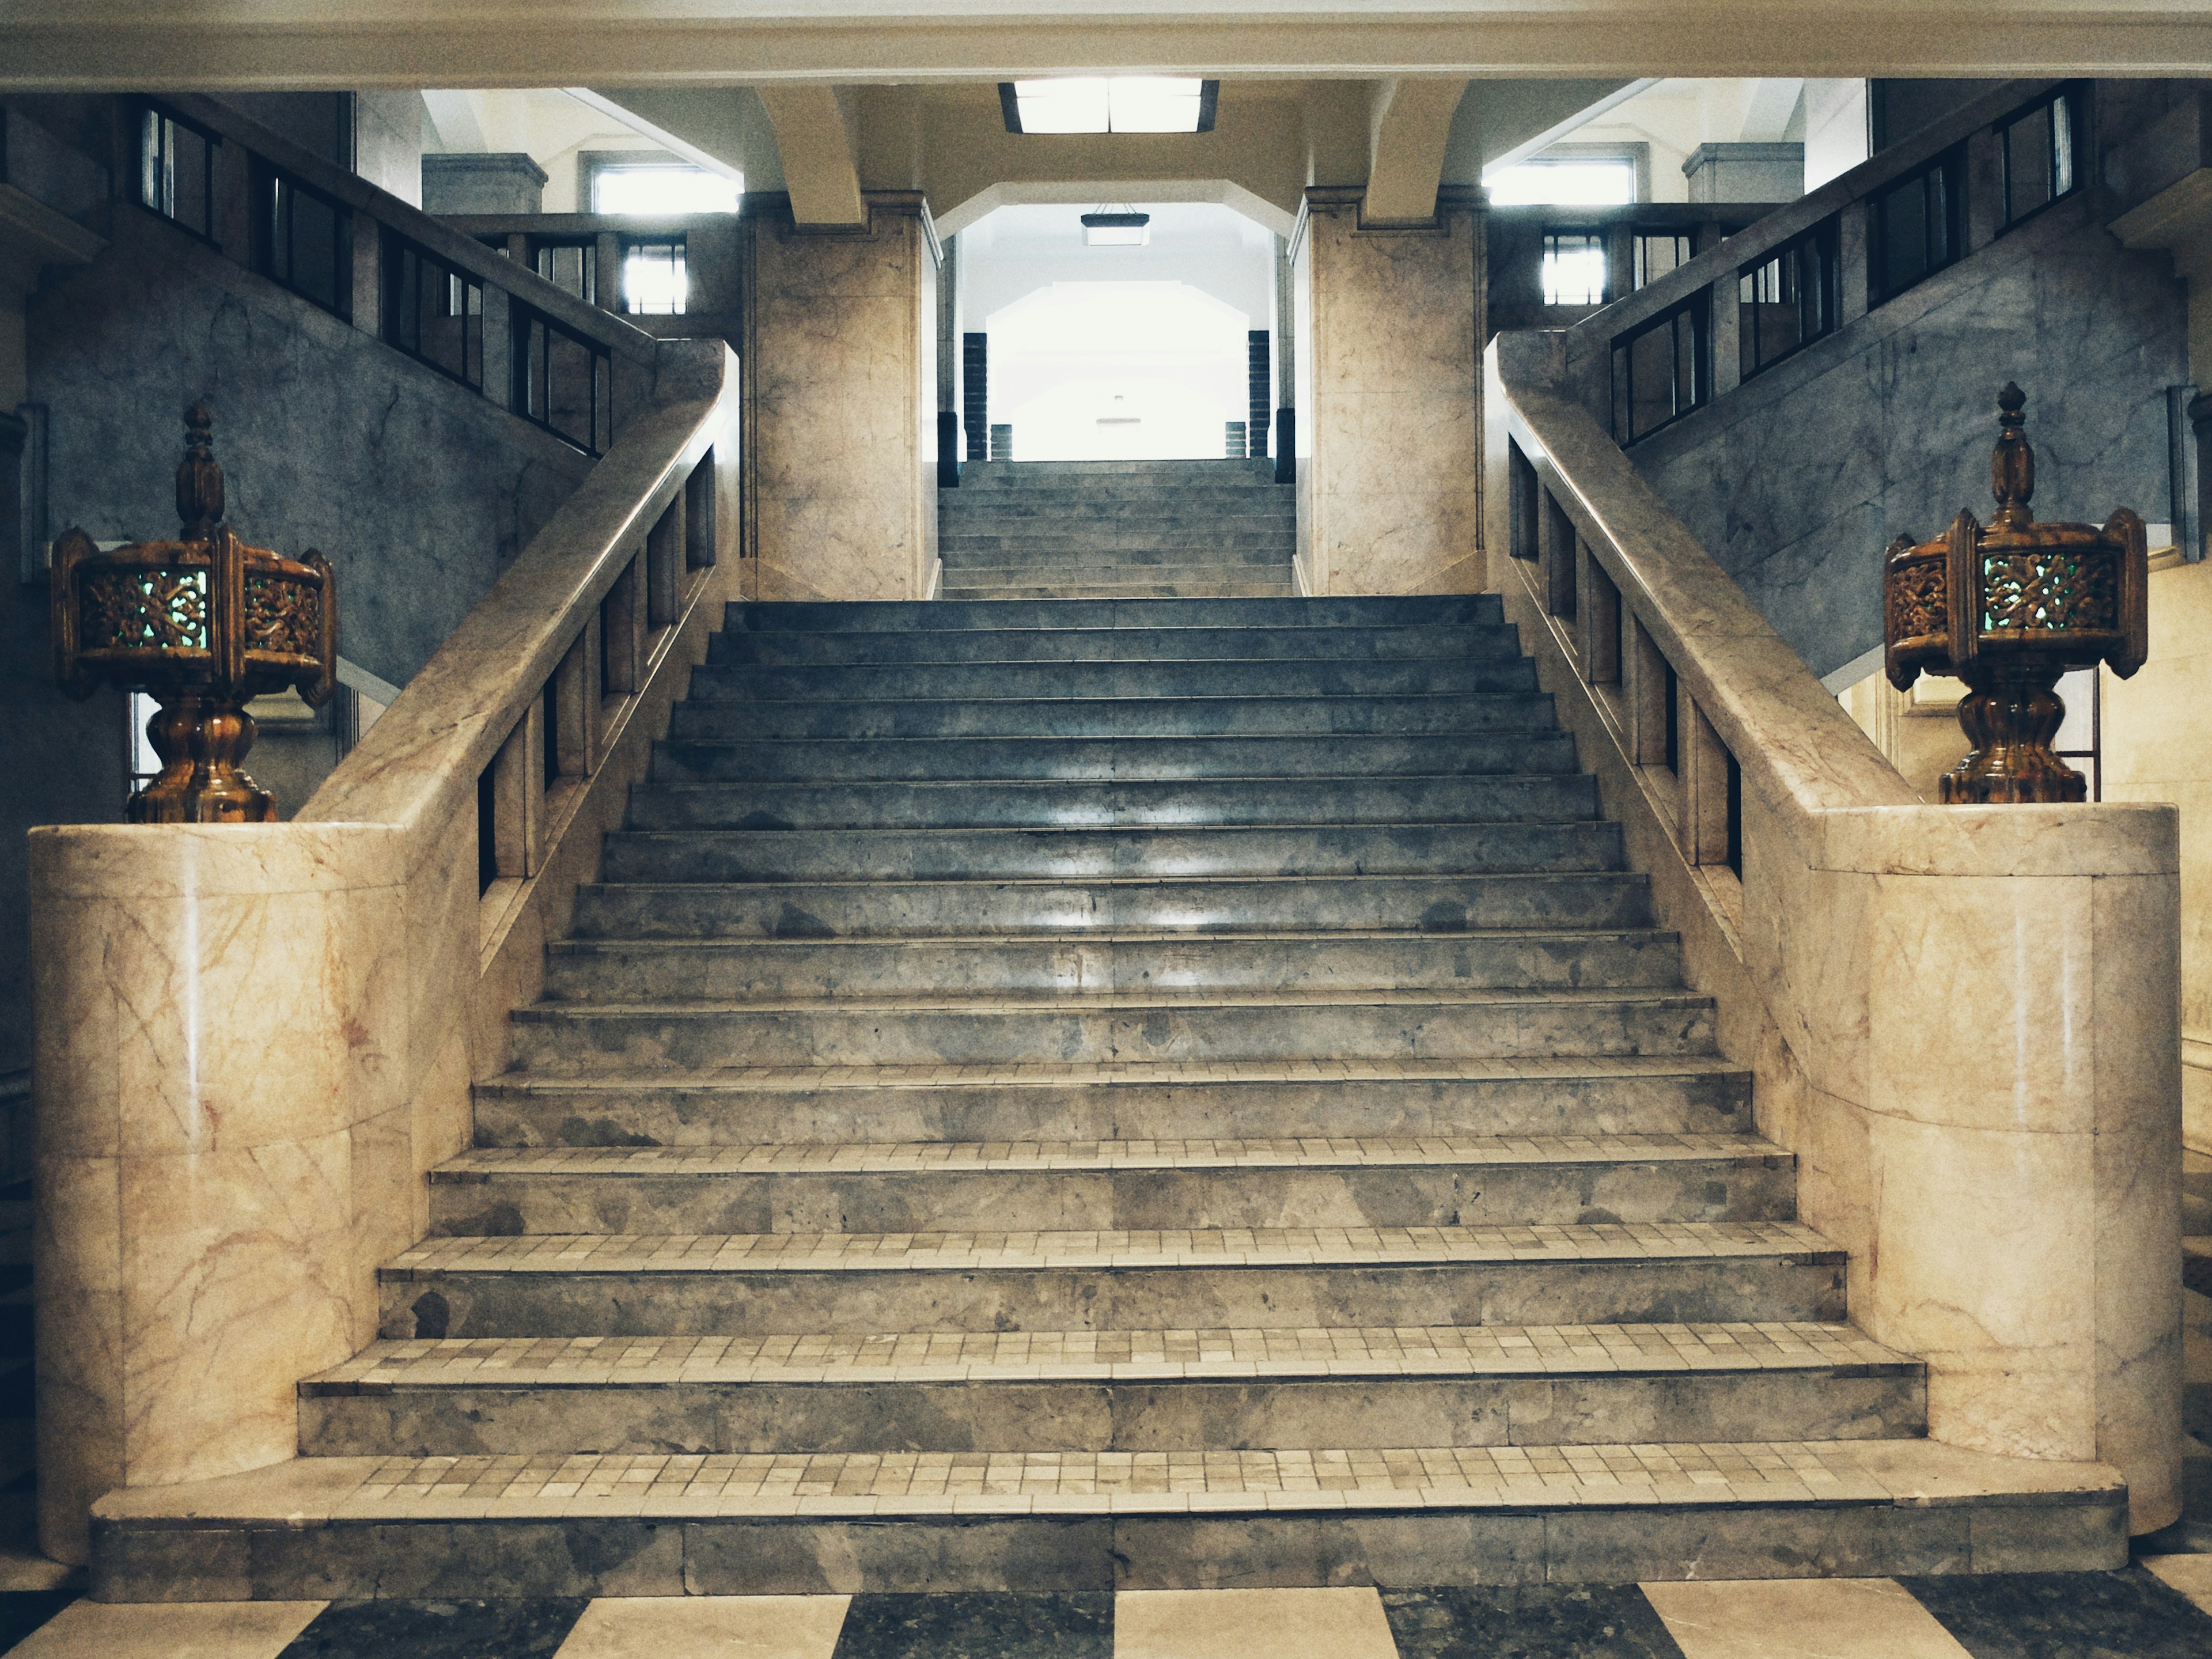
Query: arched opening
[{"x": 1148, "y": 351}]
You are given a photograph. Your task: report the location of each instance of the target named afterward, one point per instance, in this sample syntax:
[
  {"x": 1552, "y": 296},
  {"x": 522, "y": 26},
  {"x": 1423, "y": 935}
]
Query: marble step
[
  {"x": 1532, "y": 848},
  {"x": 589, "y": 1524},
  {"x": 571, "y": 1038},
  {"x": 1170, "y": 676},
  {"x": 1487, "y": 713},
  {"x": 776, "y": 1284},
  {"x": 1125, "y": 1186},
  {"x": 1443, "y": 906},
  {"x": 924, "y": 616},
  {"x": 1223, "y": 540},
  {"x": 1043, "y": 642},
  {"x": 994, "y": 760},
  {"x": 1187, "y": 587},
  {"x": 1115, "y": 1391},
  {"x": 1212, "y": 808},
  {"x": 1085, "y": 961},
  {"x": 1142, "y": 1101}
]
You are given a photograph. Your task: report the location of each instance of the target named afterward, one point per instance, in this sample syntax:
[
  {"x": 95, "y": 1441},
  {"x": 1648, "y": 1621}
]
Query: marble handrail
[
  {"x": 452, "y": 716},
  {"x": 1963, "y": 1022}
]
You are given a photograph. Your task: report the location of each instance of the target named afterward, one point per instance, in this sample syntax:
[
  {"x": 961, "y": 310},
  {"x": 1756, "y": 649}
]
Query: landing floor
[{"x": 2159, "y": 1608}]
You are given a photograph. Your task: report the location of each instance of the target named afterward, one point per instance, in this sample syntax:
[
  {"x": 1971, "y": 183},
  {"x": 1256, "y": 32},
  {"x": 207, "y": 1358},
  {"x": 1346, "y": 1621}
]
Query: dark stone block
[
  {"x": 2067, "y": 1615},
  {"x": 979, "y": 1625},
  {"x": 1527, "y": 1621},
  {"x": 508, "y": 1629}
]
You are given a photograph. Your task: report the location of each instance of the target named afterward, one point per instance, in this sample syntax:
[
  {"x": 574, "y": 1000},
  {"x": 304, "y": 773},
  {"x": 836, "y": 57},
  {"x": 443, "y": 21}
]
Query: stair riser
[
  {"x": 1100, "y": 759},
  {"x": 1277, "y": 1413},
  {"x": 923, "y": 616},
  {"x": 1125, "y": 718},
  {"x": 822, "y": 1554},
  {"x": 1435, "y": 676},
  {"x": 1439, "y": 904},
  {"x": 1130, "y": 803},
  {"x": 741, "y": 1303},
  {"x": 1191, "y": 642},
  {"x": 673, "y": 971},
  {"x": 554, "y": 1040},
  {"x": 1119, "y": 544},
  {"x": 1430, "y": 1195},
  {"x": 673, "y": 1115}
]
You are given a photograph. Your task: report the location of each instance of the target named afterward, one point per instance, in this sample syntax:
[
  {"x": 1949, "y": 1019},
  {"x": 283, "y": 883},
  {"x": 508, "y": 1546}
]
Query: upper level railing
[
  {"x": 1669, "y": 347},
  {"x": 390, "y": 271},
  {"x": 1551, "y": 266},
  {"x": 668, "y": 276}
]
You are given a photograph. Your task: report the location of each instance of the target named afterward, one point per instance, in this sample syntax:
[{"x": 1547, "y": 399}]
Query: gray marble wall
[{"x": 1798, "y": 479}]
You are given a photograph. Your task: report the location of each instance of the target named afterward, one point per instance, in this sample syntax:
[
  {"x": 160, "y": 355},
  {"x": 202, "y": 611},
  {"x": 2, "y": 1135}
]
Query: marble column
[
  {"x": 211, "y": 1204},
  {"x": 840, "y": 337},
  {"x": 1390, "y": 452}
]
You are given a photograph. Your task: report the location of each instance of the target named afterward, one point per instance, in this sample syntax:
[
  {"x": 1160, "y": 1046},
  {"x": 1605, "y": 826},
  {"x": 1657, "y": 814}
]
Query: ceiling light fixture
[
  {"x": 1122, "y": 103},
  {"x": 1125, "y": 228}
]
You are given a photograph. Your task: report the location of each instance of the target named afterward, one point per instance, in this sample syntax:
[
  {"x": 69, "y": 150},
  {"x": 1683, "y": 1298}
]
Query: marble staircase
[
  {"x": 1215, "y": 529},
  {"x": 1071, "y": 1094}
]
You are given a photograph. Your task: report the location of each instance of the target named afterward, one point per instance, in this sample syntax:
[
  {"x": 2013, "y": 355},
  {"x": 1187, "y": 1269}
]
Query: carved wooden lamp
[
  {"x": 205, "y": 623},
  {"x": 2008, "y": 609}
]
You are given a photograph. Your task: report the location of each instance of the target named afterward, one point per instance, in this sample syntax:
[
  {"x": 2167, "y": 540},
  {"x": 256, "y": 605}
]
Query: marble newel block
[
  {"x": 840, "y": 333},
  {"x": 209, "y": 1200},
  {"x": 1390, "y": 498}
]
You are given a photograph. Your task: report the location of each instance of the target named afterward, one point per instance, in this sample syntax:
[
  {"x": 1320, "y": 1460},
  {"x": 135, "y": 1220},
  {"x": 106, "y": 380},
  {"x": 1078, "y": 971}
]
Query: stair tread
[
  {"x": 1060, "y": 1074},
  {"x": 1118, "y": 1355},
  {"x": 604, "y": 945},
  {"x": 1305, "y": 1152},
  {"x": 1092, "y": 1002},
  {"x": 1249, "y": 1247},
  {"x": 1908, "y": 1474}
]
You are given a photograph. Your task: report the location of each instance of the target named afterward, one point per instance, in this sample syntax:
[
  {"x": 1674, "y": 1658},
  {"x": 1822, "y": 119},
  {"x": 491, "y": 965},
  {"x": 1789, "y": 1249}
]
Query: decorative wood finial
[
  {"x": 205, "y": 624},
  {"x": 2012, "y": 466},
  {"x": 2008, "y": 609},
  {"x": 199, "y": 480}
]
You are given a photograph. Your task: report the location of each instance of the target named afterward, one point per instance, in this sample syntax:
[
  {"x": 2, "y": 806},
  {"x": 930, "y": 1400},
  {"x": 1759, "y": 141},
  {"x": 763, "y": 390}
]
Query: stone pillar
[
  {"x": 1391, "y": 493},
  {"x": 211, "y": 1205},
  {"x": 841, "y": 497}
]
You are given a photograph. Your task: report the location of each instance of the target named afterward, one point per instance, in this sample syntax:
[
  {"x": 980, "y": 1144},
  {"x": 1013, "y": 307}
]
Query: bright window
[
  {"x": 1594, "y": 182},
  {"x": 1126, "y": 103},
  {"x": 1574, "y": 268},
  {"x": 655, "y": 281},
  {"x": 660, "y": 189}
]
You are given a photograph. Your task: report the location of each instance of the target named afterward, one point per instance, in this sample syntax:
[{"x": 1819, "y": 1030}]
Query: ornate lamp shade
[
  {"x": 205, "y": 623},
  {"x": 2008, "y": 609}
]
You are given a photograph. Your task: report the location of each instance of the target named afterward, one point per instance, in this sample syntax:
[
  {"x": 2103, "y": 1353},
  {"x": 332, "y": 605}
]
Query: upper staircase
[
  {"x": 1070, "y": 1094},
  {"x": 1136, "y": 530}
]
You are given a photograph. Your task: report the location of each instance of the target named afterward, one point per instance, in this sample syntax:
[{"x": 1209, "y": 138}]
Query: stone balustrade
[
  {"x": 1963, "y": 1021},
  {"x": 253, "y": 1041}
]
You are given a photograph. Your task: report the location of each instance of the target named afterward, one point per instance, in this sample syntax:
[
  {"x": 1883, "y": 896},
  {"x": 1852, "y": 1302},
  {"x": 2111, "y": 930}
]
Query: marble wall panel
[
  {"x": 841, "y": 331},
  {"x": 1796, "y": 481},
  {"x": 1390, "y": 495}
]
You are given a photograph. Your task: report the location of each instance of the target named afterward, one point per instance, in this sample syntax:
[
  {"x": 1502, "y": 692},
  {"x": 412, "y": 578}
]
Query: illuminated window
[
  {"x": 653, "y": 279},
  {"x": 1581, "y": 181},
  {"x": 1574, "y": 268},
  {"x": 660, "y": 189},
  {"x": 1126, "y": 103}
]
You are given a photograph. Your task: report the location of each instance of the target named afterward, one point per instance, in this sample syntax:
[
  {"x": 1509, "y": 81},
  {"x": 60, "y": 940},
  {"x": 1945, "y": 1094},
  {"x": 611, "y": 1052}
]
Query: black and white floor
[{"x": 2159, "y": 1608}]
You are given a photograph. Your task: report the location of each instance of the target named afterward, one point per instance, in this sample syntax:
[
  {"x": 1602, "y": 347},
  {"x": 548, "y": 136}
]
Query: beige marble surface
[
  {"x": 1800, "y": 1619},
  {"x": 2157, "y": 746},
  {"x": 1966, "y": 1021},
  {"x": 170, "y": 1630},
  {"x": 252, "y": 1042},
  {"x": 1252, "y": 1624},
  {"x": 723, "y": 1626},
  {"x": 1390, "y": 494},
  {"x": 841, "y": 330}
]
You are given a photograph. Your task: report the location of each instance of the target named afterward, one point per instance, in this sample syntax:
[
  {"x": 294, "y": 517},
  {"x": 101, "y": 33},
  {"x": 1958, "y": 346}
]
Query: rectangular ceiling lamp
[
  {"x": 1117, "y": 229},
  {"x": 1123, "y": 103}
]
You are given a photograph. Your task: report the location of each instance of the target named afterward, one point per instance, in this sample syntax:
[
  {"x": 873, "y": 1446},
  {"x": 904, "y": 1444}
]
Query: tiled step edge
[{"x": 318, "y": 1527}]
